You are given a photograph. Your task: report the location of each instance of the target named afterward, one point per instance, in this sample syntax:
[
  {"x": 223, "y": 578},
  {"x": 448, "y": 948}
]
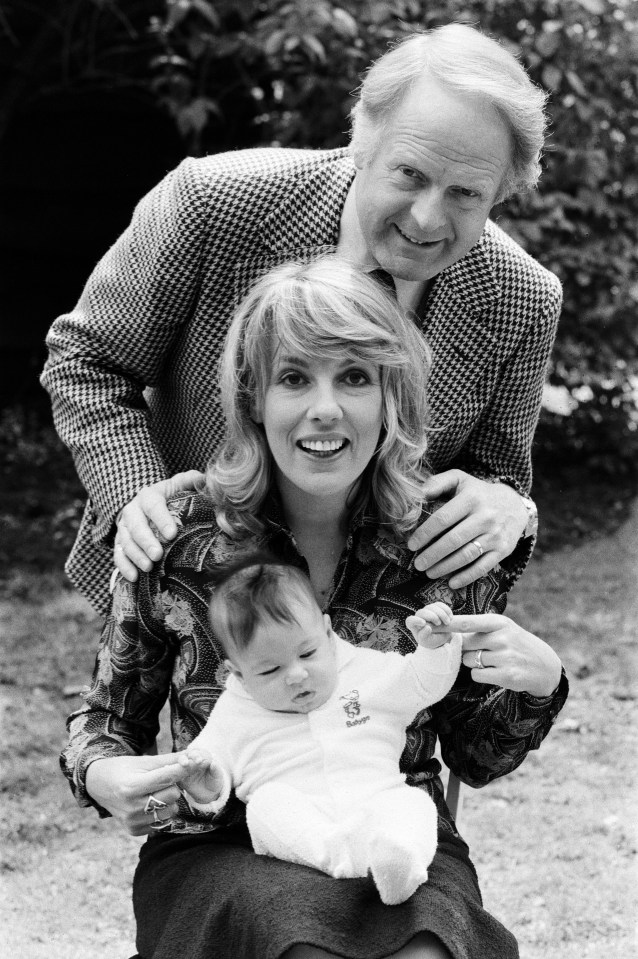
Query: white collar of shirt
[{"x": 352, "y": 246}]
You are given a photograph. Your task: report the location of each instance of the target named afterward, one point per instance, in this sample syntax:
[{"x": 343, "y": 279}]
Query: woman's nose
[
  {"x": 428, "y": 210},
  {"x": 325, "y": 404},
  {"x": 296, "y": 674}
]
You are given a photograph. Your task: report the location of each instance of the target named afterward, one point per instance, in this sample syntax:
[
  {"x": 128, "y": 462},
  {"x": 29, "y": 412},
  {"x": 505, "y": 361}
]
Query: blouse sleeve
[
  {"x": 131, "y": 679},
  {"x": 486, "y": 731}
]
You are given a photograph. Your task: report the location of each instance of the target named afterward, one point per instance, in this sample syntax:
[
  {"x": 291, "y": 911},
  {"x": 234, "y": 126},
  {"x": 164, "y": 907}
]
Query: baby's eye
[
  {"x": 308, "y": 654},
  {"x": 268, "y": 672}
]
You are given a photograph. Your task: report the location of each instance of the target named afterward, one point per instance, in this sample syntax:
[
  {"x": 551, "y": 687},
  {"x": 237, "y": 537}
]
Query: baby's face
[{"x": 290, "y": 668}]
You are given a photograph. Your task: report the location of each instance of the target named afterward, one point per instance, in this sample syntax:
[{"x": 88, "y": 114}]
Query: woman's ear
[{"x": 256, "y": 412}]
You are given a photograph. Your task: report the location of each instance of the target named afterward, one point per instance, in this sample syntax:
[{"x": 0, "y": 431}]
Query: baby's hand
[
  {"x": 422, "y": 624},
  {"x": 201, "y": 779}
]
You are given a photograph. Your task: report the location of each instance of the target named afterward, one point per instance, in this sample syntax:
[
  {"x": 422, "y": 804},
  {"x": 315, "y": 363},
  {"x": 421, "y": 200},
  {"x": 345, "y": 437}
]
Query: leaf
[
  {"x": 596, "y": 7},
  {"x": 552, "y": 77},
  {"x": 575, "y": 83}
]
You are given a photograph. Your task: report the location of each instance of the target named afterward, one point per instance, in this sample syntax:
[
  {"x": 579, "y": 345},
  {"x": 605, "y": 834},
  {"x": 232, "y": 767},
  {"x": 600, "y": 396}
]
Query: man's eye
[
  {"x": 465, "y": 192},
  {"x": 409, "y": 172}
]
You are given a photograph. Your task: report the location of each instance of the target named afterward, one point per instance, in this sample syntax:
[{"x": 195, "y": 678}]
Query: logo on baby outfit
[{"x": 352, "y": 709}]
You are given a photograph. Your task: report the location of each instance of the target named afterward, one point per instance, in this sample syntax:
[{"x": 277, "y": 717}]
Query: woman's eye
[
  {"x": 356, "y": 378},
  {"x": 291, "y": 378},
  {"x": 311, "y": 652}
]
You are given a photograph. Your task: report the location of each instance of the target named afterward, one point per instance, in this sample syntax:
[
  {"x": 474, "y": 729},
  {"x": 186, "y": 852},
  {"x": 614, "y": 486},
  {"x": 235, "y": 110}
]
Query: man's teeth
[
  {"x": 323, "y": 446},
  {"x": 416, "y": 242}
]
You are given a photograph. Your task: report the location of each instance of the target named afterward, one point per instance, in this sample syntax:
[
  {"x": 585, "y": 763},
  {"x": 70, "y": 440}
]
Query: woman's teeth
[{"x": 322, "y": 446}]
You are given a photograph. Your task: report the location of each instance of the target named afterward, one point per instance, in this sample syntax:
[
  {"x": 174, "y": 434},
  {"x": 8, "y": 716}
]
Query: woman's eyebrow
[{"x": 298, "y": 360}]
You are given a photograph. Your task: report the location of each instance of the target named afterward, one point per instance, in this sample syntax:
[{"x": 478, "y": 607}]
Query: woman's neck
[{"x": 320, "y": 528}]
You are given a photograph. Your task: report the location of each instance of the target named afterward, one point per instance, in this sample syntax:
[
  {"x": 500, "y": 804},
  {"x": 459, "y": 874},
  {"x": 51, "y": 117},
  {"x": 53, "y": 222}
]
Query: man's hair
[
  {"x": 254, "y": 589},
  {"x": 470, "y": 65},
  {"x": 323, "y": 309}
]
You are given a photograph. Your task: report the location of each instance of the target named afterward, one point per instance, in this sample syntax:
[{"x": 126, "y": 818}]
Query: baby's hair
[{"x": 255, "y": 588}]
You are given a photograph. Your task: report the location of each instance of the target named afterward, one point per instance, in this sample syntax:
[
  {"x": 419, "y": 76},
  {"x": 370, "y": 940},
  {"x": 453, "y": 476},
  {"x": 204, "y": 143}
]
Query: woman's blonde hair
[{"x": 321, "y": 309}]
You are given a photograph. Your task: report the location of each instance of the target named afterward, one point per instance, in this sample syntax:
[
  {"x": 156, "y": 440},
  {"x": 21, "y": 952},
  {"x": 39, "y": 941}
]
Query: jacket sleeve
[
  {"x": 131, "y": 679},
  {"x": 500, "y": 445},
  {"x": 104, "y": 353},
  {"x": 486, "y": 731}
]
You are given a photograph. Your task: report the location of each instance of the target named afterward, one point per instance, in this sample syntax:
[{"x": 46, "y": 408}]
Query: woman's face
[{"x": 322, "y": 419}]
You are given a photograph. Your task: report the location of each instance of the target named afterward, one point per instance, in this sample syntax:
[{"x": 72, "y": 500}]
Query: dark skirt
[{"x": 208, "y": 896}]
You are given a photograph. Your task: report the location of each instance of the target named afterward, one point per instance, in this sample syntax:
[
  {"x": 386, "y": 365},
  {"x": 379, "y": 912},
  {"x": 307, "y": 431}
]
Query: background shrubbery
[{"x": 234, "y": 73}]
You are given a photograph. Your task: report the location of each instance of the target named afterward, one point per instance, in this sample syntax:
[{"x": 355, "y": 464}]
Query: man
[{"x": 447, "y": 125}]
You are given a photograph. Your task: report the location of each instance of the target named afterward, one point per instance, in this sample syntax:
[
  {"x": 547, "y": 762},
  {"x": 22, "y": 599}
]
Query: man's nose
[{"x": 428, "y": 210}]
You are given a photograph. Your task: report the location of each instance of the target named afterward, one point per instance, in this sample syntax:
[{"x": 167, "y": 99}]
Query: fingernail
[
  {"x": 155, "y": 552},
  {"x": 168, "y": 531}
]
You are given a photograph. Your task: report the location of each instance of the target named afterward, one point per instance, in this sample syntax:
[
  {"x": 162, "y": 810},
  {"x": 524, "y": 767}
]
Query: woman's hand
[
  {"x": 123, "y": 785},
  {"x": 136, "y": 545},
  {"x": 501, "y": 653},
  {"x": 479, "y": 526}
]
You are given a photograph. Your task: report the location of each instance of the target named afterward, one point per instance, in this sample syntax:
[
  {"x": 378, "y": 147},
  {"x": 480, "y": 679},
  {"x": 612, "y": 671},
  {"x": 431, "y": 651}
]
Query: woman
[{"x": 322, "y": 381}]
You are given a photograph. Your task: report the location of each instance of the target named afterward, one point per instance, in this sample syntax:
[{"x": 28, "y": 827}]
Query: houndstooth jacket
[{"x": 132, "y": 369}]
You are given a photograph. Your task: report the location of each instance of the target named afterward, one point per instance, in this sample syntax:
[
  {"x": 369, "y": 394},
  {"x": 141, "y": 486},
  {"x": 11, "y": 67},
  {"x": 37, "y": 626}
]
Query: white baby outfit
[{"x": 324, "y": 788}]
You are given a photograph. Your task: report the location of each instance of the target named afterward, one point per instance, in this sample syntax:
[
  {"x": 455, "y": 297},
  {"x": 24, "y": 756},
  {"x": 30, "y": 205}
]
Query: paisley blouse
[{"x": 157, "y": 643}]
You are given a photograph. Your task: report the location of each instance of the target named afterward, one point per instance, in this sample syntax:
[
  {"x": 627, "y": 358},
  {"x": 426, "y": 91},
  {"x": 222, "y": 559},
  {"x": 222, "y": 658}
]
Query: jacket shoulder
[
  {"x": 270, "y": 165},
  {"x": 510, "y": 261}
]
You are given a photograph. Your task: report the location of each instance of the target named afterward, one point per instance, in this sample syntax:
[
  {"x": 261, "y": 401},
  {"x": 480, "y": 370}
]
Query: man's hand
[
  {"x": 136, "y": 545},
  {"x": 470, "y": 534}
]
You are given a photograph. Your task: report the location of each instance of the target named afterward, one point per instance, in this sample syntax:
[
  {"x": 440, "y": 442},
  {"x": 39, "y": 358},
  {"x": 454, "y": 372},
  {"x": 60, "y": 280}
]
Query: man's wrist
[{"x": 531, "y": 526}]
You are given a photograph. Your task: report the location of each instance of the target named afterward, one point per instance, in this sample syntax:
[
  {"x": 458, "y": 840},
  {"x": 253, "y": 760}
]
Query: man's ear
[
  {"x": 234, "y": 670},
  {"x": 359, "y": 158}
]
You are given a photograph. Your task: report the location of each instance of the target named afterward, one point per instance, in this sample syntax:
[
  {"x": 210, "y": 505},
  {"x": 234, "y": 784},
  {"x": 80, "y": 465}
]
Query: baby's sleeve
[{"x": 434, "y": 670}]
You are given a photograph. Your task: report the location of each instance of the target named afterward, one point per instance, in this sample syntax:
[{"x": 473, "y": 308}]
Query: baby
[{"x": 310, "y": 729}]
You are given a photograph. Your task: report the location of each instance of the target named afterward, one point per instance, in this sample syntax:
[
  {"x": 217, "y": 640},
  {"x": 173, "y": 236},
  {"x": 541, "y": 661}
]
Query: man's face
[
  {"x": 290, "y": 668},
  {"x": 423, "y": 197}
]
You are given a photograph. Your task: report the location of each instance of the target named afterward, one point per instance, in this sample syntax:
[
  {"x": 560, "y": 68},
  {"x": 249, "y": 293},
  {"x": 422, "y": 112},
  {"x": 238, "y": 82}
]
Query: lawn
[{"x": 554, "y": 843}]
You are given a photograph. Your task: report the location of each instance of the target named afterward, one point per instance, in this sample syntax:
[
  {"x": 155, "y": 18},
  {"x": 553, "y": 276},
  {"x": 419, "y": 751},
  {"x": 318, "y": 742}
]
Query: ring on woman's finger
[
  {"x": 476, "y": 543},
  {"x": 153, "y": 804},
  {"x": 479, "y": 659}
]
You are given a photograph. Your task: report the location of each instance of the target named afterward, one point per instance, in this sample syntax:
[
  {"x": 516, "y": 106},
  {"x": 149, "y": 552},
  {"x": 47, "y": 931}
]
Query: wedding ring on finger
[
  {"x": 152, "y": 805},
  {"x": 476, "y": 543},
  {"x": 479, "y": 659}
]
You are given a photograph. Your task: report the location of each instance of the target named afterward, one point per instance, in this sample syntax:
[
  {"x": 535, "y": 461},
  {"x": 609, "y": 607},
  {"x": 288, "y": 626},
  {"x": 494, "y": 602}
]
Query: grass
[{"x": 554, "y": 843}]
